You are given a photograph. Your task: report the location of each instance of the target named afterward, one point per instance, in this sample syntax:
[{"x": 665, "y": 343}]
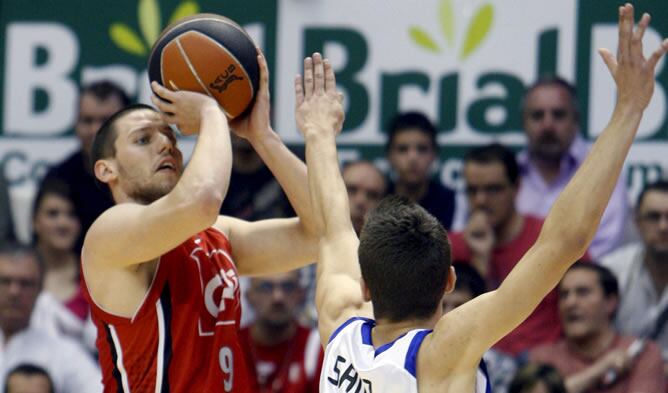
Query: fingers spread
[
  {"x": 330, "y": 78},
  {"x": 625, "y": 31},
  {"x": 299, "y": 90},
  {"x": 657, "y": 55},
  {"x": 319, "y": 73},
  {"x": 609, "y": 60},
  {"x": 308, "y": 77},
  {"x": 636, "y": 41},
  {"x": 264, "y": 74},
  {"x": 162, "y": 92},
  {"x": 163, "y": 105}
]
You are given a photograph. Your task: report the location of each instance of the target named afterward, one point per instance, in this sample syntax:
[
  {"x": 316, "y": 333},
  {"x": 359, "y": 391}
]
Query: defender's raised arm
[
  {"x": 574, "y": 218},
  {"x": 320, "y": 118}
]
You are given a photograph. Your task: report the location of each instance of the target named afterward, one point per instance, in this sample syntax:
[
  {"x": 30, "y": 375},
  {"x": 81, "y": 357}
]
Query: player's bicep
[
  {"x": 129, "y": 233},
  {"x": 338, "y": 289},
  {"x": 268, "y": 246}
]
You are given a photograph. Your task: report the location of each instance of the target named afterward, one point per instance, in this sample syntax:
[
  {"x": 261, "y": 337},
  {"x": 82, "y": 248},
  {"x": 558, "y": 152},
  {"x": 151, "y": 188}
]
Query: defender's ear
[
  {"x": 366, "y": 294},
  {"x": 452, "y": 279}
]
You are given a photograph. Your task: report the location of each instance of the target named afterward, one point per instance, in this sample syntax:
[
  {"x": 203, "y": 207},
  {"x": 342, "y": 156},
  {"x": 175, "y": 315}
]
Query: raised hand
[
  {"x": 319, "y": 106},
  {"x": 633, "y": 74},
  {"x": 256, "y": 123},
  {"x": 182, "y": 108}
]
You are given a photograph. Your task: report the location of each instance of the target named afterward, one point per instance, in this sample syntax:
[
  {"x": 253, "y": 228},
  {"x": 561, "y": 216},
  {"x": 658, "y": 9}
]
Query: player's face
[
  {"x": 149, "y": 162},
  {"x": 56, "y": 224},
  {"x": 19, "y": 287},
  {"x": 366, "y": 187},
  {"x": 489, "y": 189},
  {"x": 550, "y": 122},
  {"x": 276, "y": 299},
  {"x": 92, "y": 113},
  {"x": 652, "y": 221},
  {"x": 411, "y": 156},
  {"x": 455, "y": 299},
  {"x": 583, "y": 308},
  {"x": 22, "y": 383}
]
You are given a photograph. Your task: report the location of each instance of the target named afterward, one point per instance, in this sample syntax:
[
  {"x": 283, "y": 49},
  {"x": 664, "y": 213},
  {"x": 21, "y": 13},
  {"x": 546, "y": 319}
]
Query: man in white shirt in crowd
[
  {"x": 70, "y": 367},
  {"x": 642, "y": 270}
]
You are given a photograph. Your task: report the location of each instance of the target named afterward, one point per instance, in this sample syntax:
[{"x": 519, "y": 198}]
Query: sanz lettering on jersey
[{"x": 348, "y": 378}]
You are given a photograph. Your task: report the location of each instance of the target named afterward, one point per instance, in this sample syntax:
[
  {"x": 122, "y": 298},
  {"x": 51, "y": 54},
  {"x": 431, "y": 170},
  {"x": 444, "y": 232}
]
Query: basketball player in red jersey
[{"x": 160, "y": 267}]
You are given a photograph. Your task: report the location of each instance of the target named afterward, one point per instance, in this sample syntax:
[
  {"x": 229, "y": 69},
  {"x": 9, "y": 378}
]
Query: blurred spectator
[
  {"x": 253, "y": 194},
  {"x": 61, "y": 307},
  {"x": 97, "y": 102},
  {"x": 497, "y": 236},
  {"x": 6, "y": 221},
  {"x": 366, "y": 187},
  {"x": 28, "y": 378},
  {"x": 411, "y": 151},
  {"x": 286, "y": 355},
  {"x": 592, "y": 356},
  {"x": 71, "y": 369},
  {"x": 537, "y": 378},
  {"x": 642, "y": 270},
  {"x": 555, "y": 150},
  {"x": 469, "y": 285}
]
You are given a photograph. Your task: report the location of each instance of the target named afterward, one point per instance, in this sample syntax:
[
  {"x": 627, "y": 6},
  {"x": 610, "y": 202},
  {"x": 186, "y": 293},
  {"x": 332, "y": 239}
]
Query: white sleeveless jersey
[{"x": 352, "y": 365}]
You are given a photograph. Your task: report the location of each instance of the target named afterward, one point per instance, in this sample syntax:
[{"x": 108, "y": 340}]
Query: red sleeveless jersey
[{"x": 184, "y": 337}]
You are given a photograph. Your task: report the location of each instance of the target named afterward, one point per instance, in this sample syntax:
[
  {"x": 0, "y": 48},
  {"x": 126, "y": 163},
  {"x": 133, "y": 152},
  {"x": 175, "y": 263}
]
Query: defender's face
[
  {"x": 583, "y": 308},
  {"x": 550, "y": 122},
  {"x": 276, "y": 299},
  {"x": 489, "y": 189},
  {"x": 411, "y": 156},
  {"x": 56, "y": 224},
  {"x": 652, "y": 221},
  {"x": 148, "y": 162},
  {"x": 92, "y": 113},
  {"x": 366, "y": 187}
]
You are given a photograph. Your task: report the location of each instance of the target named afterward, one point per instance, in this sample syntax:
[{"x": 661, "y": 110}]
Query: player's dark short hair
[
  {"x": 556, "y": 81},
  {"x": 414, "y": 121},
  {"x": 404, "y": 257},
  {"x": 28, "y": 369},
  {"x": 468, "y": 279},
  {"x": 659, "y": 186},
  {"x": 105, "y": 138},
  {"x": 496, "y": 152},
  {"x": 103, "y": 90}
]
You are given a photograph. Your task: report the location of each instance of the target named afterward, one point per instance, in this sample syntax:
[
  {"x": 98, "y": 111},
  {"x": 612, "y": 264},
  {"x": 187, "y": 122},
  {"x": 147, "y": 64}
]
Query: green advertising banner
[{"x": 465, "y": 63}]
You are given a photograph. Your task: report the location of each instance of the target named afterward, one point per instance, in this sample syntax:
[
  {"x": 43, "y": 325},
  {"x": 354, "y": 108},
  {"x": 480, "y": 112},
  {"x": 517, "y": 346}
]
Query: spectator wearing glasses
[
  {"x": 642, "y": 270},
  {"x": 555, "y": 150},
  {"x": 287, "y": 356},
  {"x": 496, "y": 236}
]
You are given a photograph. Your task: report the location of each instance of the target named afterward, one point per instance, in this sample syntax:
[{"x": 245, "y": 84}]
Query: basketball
[{"x": 209, "y": 54}]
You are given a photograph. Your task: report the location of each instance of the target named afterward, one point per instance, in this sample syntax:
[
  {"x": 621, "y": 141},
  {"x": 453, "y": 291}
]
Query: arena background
[{"x": 463, "y": 62}]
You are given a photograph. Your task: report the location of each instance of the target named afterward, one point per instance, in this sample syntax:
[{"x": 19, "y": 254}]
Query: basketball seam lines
[
  {"x": 194, "y": 72},
  {"x": 242, "y": 68}
]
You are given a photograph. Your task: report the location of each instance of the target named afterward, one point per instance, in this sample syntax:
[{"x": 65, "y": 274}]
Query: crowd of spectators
[{"x": 603, "y": 329}]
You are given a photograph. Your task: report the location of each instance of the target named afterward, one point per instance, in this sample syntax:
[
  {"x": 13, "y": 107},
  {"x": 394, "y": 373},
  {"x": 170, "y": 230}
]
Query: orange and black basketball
[{"x": 209, "y": 54}]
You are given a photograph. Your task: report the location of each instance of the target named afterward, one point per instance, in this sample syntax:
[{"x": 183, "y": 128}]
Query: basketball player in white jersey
[{"x": 402, "y": 259}]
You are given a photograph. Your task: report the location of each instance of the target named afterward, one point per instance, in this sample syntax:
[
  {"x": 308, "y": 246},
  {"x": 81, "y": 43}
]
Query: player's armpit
[
  {"x": 338, "y": 291},
  {"x": 268, "y": 246}
]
